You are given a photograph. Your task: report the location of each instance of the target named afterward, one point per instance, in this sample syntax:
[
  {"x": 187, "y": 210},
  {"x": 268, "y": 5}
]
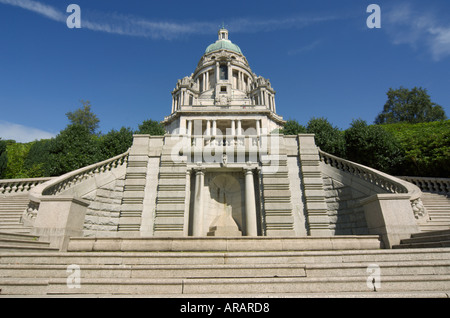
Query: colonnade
[{"x": 211, "y": 127}]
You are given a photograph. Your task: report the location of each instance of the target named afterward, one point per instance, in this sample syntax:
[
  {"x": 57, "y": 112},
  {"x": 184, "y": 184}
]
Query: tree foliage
[
  {"x": 151, "y": 127},
  {"x": 412, "y": 106},
  {"x": 3, "y": 159},
  {"x": 115, "y": 142},
  {"x": 373, "y": 146},
  {"x": 73, "y": 148},
  {"x": 84, "y": 117},
  {"x": 426, "y": 148},
  {"x": 328, "y": 138},
  {"x": 292, "y": 127},
  {"x": 16, "y": 154}
]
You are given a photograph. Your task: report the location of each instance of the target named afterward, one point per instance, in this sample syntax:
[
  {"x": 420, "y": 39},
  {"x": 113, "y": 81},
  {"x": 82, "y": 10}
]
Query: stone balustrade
[
  {"x": 384, "y": 181},
  {"x": 427, "y": 184},
  {"x": 20, "y": 186},
  {"x": 70, "y": 179},
  {"x": 226, "y": 141}
]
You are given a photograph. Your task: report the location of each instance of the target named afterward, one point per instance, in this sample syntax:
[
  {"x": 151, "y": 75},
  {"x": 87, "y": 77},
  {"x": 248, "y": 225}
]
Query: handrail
[
  {"x": 8, "y": 186},
  {"x": 373, "y": 176},
  {"x": 430, "y": 184},
  {"x": 385, "y": 181},
  {"x": 61, "y": 183}
]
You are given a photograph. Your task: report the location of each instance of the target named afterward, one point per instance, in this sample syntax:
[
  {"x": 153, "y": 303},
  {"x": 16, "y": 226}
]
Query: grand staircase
[
  {"x": 438, "y": 207},
  {"x": 11, "y": 210},
  {"x": 419, "y": 267},
  {"x": 345, "y": 273}
]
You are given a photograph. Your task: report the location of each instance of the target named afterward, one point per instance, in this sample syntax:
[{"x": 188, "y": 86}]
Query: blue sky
[{"x": 320, "y": 57}]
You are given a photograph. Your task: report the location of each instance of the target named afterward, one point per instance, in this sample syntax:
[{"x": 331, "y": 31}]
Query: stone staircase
[
  {"x": 228, "y": 274},
  {"x": 426, "y": 240},
  {"x": 438, "y": 207},
  {"x": 11, "y": 210},
  {"x": 11, "y": 242}
]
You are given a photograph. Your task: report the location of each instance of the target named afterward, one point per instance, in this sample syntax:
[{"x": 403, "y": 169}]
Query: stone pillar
[
  {"x": 233, "y": 127},
  {"x": 204, "y": 81},
  {"x": 258, "y": 128},
  {"x": 217, "y": 72},
  {"x": 207, "y": 80},
  {"x": 189, "y": 127},
  {"x": 197, "y": 226},
  {"x": 250, "y": 204},
  {"x": 239, "y": 127},
  {"x": 208, "y": 128},
  {"x": 214, "y": 127}
]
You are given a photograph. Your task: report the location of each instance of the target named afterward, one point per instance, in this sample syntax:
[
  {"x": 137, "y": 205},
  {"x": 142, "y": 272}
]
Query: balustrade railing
[
  {"x": 225, "y": 141},
  {"x": 384, "y": 181},
  {"x": 429, "y": 184},
  {"x": 70, "y": 179},
  {"x": 20, "y": 186}
]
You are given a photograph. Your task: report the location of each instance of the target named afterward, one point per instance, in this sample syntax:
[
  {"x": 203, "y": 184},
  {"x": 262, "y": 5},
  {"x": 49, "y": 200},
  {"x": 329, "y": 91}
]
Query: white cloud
[
  {"x": 37, "y": 7},
  {"x": 22, "y": 133},
  {"x": 306, "y": 48},
  {"x": 420, "y": 29},
  {"x": 135, "y": 26}
]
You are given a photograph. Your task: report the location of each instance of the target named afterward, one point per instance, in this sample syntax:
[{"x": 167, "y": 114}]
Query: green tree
[
  {"x": 426, "y": 148},
  {"x": 328, "y": 138},
  {"x": 85, "y": 117},
  {"x": 292, "y": 127},
  {"x": 151, "y": 127},
  {"x": 16, "y": 153},
  {"x": 3, "y": 158},
  {"x": 373, "y": 146},
  {"x": 115, "y": 142},
  {"x": 412, "y": 106},
  {"x": 37, "y": 162},
  {"x": 74, "y": 147}
]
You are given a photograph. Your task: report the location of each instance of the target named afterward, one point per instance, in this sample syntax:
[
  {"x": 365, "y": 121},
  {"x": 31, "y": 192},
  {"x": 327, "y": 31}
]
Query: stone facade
[{"x": 223, "y": 170}]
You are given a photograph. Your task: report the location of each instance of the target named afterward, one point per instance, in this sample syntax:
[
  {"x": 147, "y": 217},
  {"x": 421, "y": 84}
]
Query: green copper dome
[{"x": 223, "y": 45}]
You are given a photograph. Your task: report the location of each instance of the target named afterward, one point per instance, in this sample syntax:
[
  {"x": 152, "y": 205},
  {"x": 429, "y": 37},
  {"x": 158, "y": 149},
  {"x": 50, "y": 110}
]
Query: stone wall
[
  {"x": 103, "y": 212},
  {"x": 344, "y": 208}
]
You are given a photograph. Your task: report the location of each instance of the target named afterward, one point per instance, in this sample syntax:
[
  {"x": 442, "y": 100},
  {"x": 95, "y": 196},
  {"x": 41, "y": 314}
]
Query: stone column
[
  {"x": 204, "y": 82},
  {"x": 189, "y": 127},
  {"x": 197, "y": 226},
  {"x": 258, "y": 128},
  {"x": 207, "y": 80},
  {"x": 250, "y": 204},
  {"x": 217, "y": 72},
  {"x": 239, "y": 127},
  {"x": 233, "y": 127},
  {"x": 214, "y": 127},
  {"x": 208, "y": 128}
]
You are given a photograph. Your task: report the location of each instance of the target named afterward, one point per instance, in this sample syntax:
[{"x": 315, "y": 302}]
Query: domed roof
[{"x": 223, "y": 44}]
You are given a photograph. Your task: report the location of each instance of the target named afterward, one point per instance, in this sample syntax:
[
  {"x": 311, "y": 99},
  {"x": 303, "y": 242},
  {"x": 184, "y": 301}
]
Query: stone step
[
  {"x": 226, "y": 270},
  {"x": 220, "y": 258},
  {"x": 426, "y": 240},
  {"x": 206, "y": 274},
  {"x": 21, "y": 237},
  {"x": 211, "y": 286},
  {"x": 428, "y": 234},
  {"x": 155, "y": 271},
  {"x": 10, "y": 242},
  {"x": 343, "y": 242}
]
